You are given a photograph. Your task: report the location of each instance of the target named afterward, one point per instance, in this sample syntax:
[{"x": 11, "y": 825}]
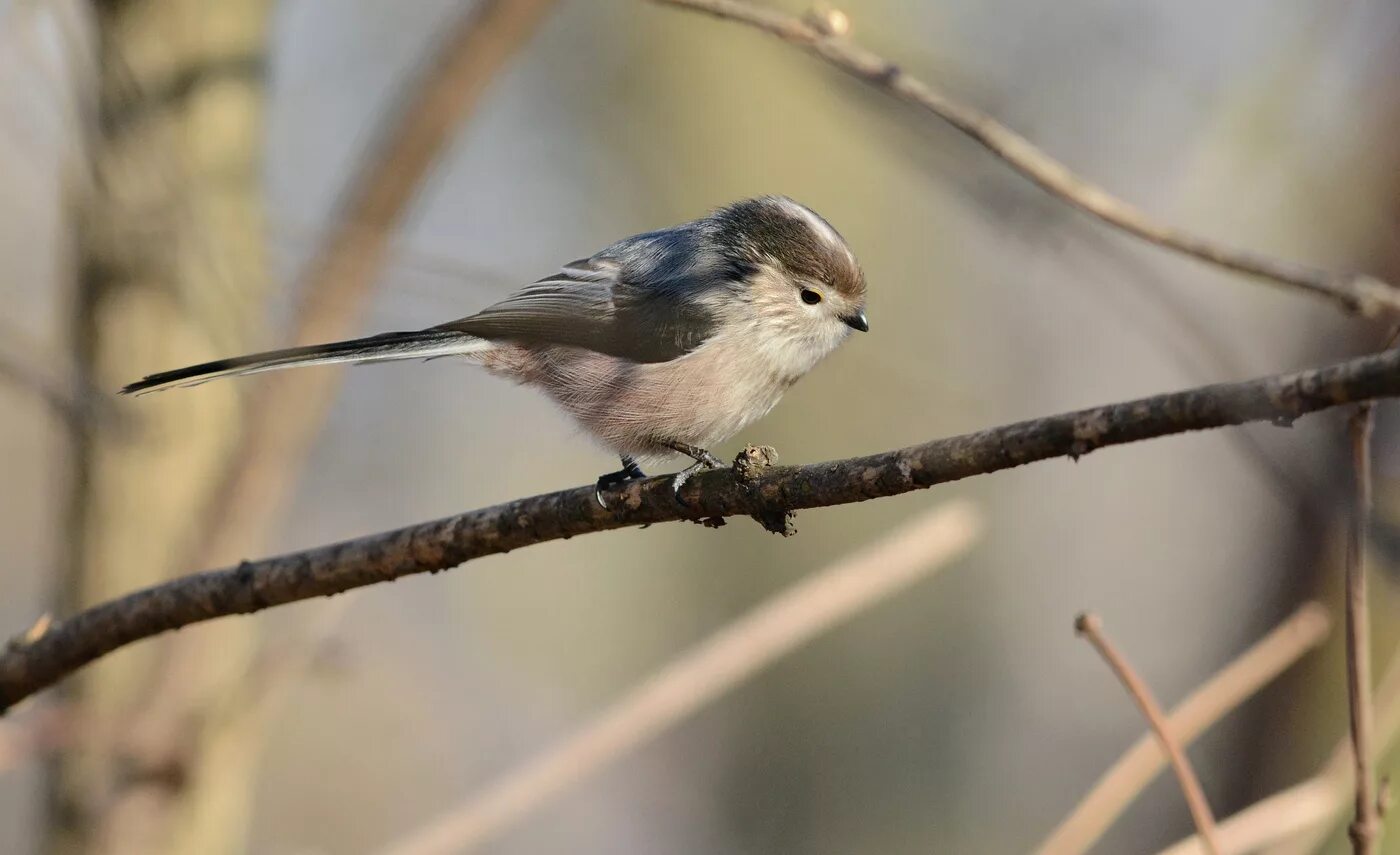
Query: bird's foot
[
  {"x": 630, "y": 471},
  {"x": 703, "y": 460}
]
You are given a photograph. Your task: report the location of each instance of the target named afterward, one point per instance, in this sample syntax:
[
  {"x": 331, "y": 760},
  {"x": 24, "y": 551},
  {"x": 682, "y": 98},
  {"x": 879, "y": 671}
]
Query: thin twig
[
  {"x": 1301, "y": 632},
  {"x": 1089, "y": 626},
  {"x": 443, "y": 544},
  {"x": 824, "y": 35},
  {"x": 704, "y": 673},
  {"x": 1365, "y": 828}
]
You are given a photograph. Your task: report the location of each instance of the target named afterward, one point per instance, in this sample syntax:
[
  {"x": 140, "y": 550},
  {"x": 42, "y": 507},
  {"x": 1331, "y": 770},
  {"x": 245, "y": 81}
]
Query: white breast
[{"x": 701, "y": 399}]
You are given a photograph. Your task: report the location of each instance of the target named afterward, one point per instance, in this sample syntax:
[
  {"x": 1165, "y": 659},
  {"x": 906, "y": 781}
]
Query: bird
[{"x": 665, "y": 343}]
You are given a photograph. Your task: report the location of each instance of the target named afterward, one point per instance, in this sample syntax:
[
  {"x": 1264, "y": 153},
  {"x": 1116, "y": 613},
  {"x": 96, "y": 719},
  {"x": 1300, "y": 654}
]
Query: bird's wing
[{"x": 591, "y": 304}]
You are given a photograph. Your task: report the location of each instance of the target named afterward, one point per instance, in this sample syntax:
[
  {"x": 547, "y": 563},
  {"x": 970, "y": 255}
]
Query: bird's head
[{"x": 804, "y": 285}]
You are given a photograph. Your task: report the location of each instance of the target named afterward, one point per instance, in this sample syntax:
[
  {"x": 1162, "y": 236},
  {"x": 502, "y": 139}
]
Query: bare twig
[
  {"x": 824, "y": 35},
  {"x": 704, "y": 673},
  {"x": 1089, "y": 626},
  {"x": 1366, "y": 826},
  {"x": 442, "y": 544},
  {"x": 1225, "y": 691}
]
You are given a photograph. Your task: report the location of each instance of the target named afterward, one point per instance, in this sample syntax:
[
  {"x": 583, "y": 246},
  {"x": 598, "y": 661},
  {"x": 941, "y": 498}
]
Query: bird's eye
[{"x": 811, "y": 297}]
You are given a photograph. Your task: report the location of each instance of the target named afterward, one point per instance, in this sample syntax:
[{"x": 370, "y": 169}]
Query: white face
[{"x": 800, "y": 321}]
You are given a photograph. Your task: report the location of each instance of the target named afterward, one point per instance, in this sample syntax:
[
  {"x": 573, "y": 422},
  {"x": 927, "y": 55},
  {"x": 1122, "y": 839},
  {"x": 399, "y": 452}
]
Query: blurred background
[{"x": 172, "y": 173}]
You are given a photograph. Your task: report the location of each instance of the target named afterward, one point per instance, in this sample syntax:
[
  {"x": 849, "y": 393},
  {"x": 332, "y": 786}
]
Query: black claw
[{"x": 630, "y": 471}]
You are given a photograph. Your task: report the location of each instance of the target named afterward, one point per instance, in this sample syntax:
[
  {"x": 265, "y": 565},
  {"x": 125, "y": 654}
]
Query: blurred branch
[
  {"x": 1287, "y": 812},
  {"x": 1365, "y": 828},
  {"x": 287, "y": 411},
  {"x": 78, "y": 407},
  {"x": 1301, "y": 632},
  {"x": 49, "y": 728},
  {"x": 439, "y": 545},
  {"x": 824, "y": 35},
  {"x": 1294, "y": 821},
  {"x": 336, "y": 284},
  {"x": 1091, "y": 627},
  {"x": 702, "y": 674}
]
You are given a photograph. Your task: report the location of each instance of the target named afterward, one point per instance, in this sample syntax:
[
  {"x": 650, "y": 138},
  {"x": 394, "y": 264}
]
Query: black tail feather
[{"x": 386, "y": 346}]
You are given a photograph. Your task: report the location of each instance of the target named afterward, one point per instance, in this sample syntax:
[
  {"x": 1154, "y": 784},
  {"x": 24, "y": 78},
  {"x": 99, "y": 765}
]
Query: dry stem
[
  {"x": 1089, "y": 626},
  {"x": 1366, "y": 827}
]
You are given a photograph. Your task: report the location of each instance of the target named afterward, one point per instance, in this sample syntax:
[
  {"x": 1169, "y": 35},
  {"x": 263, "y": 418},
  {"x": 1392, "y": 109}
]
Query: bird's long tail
[{"x": 426, "y": 344}]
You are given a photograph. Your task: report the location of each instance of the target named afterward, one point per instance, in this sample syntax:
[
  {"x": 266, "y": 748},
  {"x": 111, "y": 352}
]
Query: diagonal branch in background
[
  {"x": 706, "y": 672},
  {"x": 824, "y": 35},
  {"x": 336, "y": 284},
  {"x": 291, "y": 406},
  {"x": 1296, "y": 820},
  {"x": 27, "y": 667}
]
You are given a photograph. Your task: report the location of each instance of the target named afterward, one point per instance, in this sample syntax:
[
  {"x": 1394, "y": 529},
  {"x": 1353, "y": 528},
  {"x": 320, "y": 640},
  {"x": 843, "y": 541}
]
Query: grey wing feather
[{"x": 592, "y": 304}]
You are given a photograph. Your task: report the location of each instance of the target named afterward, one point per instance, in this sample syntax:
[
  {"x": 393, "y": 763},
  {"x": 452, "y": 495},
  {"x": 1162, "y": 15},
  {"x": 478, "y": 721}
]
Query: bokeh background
[{"x": 167, "y": 167}]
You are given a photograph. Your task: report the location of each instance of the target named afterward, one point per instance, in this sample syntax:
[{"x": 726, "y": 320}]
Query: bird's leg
[
  {"x": 630, "y": 471},
  {"x": 703, "y": 460}
]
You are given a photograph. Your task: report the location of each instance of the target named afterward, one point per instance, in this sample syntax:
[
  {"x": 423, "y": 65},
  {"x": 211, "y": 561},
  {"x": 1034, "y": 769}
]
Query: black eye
[{"x": 810, "y": 297}]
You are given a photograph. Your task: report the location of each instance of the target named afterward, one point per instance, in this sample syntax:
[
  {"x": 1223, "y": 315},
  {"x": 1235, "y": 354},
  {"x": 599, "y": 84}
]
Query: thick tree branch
[
  {"x": 442, "y": 544},
  {"x": 824, "y": 35}
]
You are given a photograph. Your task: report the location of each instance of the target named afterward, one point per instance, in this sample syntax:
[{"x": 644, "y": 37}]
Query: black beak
[{"x": 857, "y": 321}]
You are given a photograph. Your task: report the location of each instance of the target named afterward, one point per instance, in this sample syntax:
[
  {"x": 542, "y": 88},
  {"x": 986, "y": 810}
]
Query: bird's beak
[{"x": 857, "y": 321}]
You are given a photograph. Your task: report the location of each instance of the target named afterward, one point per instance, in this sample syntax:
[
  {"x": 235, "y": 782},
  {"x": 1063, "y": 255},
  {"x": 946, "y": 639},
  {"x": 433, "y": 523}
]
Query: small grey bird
[{"x": 663, "y": 343}]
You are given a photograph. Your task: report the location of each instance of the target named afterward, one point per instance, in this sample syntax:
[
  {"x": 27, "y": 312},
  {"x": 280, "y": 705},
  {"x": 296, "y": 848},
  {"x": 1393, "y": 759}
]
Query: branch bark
[
  {"x": 824, "y": 35},
  {"x": 442, "y": 544}
]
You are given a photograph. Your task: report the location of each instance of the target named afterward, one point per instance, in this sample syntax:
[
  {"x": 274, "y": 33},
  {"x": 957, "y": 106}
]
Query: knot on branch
[
  {"x": 38, "y": 630},
  {"x": 747, "y": 467}
]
